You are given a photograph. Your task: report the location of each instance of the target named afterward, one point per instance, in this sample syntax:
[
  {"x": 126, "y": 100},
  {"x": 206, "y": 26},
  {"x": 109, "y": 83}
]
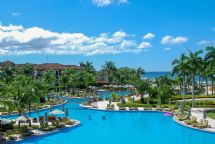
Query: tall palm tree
[
  {"x": 88, "y": 66},
  {"x": 210, "y": 57},
  {"x": 139, "y": 72},
  {"x": 65, "y": 78},
  {"x": 142, "y": 87},
  {"x": 27, "y": 69},
  {"x": 206, "y": 72},
  {"x": 193, "y": 63},
  {"x": 49, "y": 77},
  {"x": 180, "y": 67},
  {"x": 109, "y": 68}
]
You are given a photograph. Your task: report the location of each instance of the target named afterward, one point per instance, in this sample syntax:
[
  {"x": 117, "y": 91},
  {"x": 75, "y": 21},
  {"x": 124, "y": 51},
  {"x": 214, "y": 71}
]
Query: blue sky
[{"x": 131, "y": 33}]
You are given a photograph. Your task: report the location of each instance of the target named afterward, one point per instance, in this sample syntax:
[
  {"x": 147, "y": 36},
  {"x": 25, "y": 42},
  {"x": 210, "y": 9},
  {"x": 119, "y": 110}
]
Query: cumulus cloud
[
  {"x": 173, "y": 40},
  {"x": 17, "y": 40},
  {"x": 15, "y": 14},
  {"x": 144, "y": 45},
  {"x": 102, "y": 3},
  {"x": 167, "y": 49},
  {"x": 149, "y": 36},
  {"x": 203, "y": 42}
]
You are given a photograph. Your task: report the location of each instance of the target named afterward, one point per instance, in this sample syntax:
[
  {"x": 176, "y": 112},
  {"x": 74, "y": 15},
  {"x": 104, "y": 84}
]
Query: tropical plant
[
  {"x": 194, "y": 60},
  {"x": 142, "y": 87},
  {"x": 164, "y": 86},
  {"x": 180, "y": 67},
  {"x": 88, "y": 66},
  {"x": 109, "y": 68},
  {"x": 210, "y": 57}
]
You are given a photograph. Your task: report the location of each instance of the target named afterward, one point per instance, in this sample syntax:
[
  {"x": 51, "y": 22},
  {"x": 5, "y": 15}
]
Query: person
[
  {"x": 89, "y": 117},
  {"x": 103, "y": 117}
]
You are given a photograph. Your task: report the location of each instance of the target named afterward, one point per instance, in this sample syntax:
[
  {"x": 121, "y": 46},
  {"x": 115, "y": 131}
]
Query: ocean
[{"x": 153, "y": 75}]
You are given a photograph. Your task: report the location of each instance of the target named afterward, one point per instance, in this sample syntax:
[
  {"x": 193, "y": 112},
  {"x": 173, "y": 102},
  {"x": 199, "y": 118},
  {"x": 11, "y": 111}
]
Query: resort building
[{"x": 40, "y": 68}]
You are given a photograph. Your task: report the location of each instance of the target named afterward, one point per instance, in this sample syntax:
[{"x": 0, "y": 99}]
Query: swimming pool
[
  {"x": 122, "y": 128},
  {"x": 107, "y": 94}
]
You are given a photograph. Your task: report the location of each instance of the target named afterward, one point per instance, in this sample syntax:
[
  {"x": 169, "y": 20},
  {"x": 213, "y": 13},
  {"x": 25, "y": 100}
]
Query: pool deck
[
  {"x": 47, "y": 107},
  {"x": 38, "y": 132},
  {"x": 196, "y": 112}
]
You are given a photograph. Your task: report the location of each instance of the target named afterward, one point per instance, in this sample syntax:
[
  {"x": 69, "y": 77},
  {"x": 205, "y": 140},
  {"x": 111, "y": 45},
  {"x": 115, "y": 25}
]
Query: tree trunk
[
  {"x": 29, "y": 110},
  {"x": 206, "y": 81},
  {"x": 199, "y": 81},
  {"x": 184, "y": 85},
  {"x": 142, "y": 99},
  {"x": 193, "y": 88}
]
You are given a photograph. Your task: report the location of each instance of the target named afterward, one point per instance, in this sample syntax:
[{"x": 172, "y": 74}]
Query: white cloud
[
  {"x": 17, "y": 40},
  {"x": 144, "y": 45},
  {"x": 203, "y": 42},
  {"x": 149, "y": 36},
  {"x": 167, "y": 48},
  {"x": 173, "y": 40},
  {"x": 102, "y": 3},
  {"x": 15, "y": 14}
]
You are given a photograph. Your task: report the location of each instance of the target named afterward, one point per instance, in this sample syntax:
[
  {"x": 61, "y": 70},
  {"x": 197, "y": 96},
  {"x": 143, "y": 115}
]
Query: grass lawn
[{"x": 211, "y": 115}]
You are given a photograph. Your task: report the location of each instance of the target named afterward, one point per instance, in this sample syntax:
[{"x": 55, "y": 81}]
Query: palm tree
[
  {"x": 210, "y": 57},
  {"x": 65, "y": 78},
  {"x": 193, "y": 63},
  {"x": 206, "y": 73},
  {"x": 180, "y": 67},
  {"x": 139, "y": 72},
  {"x": 49, "y": 77},
  {"x": 88, "y": 66},
  {"x": 14, "y": 95},
  {"x": 27, "y": 69},
  {"x": 142, "y": 87},
  {"x": 109, "y": 68},
  {"x": 164, "y": 86}
]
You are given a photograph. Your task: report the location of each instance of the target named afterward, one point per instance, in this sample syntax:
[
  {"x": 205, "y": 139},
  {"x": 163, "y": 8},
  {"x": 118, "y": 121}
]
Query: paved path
[
  {"x": 199, "y": 114},
  {"x": 199, "y": 99}
]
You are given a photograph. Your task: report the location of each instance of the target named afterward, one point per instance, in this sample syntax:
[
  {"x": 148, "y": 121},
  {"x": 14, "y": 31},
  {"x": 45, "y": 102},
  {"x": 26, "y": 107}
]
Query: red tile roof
[{"x": 44, "y": 66}]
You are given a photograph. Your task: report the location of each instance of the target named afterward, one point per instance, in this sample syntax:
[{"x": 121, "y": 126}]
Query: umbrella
[
  {"x": 56, "y": 112},
  {"x": 23, "y": 118},
  {"x": 5, "y": 121}
]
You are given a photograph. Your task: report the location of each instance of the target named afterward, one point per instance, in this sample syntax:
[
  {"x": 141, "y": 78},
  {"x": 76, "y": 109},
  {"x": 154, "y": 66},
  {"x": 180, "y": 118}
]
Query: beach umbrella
[
  {"x": 5, "y": 121},
  {"x": 56, "y": 112},
  {"x": 23, "y": 119}
]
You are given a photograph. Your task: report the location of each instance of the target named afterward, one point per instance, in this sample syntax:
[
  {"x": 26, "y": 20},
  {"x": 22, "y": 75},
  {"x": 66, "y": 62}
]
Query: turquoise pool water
[
  {"x": 122, "y": 128},
  {"x": 107, "y": 94}
]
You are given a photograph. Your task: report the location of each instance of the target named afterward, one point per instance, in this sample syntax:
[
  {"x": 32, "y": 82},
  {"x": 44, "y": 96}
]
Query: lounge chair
[
  {"x": 191, "y": 121},
  {"x": 35, "y": 120},
  {"x": 59, "y": 125},
  {"x": 122, "y": 108},
  {"x": 41, "y": 119},
  {"x": 204, "y": 124},
  {"x": 182, "y": 118},
  {"x": 131, "y": 108}
]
